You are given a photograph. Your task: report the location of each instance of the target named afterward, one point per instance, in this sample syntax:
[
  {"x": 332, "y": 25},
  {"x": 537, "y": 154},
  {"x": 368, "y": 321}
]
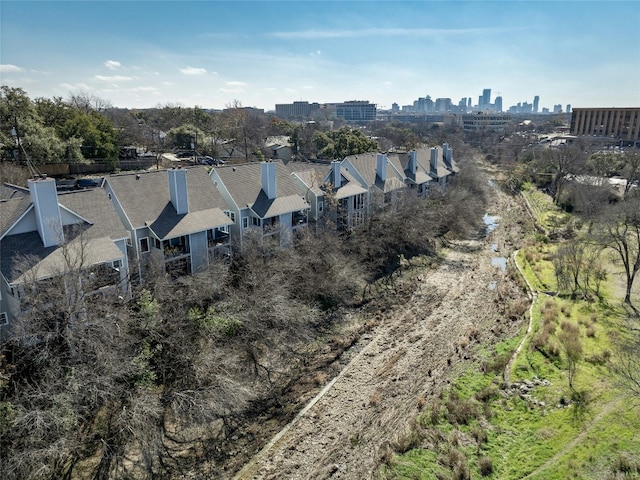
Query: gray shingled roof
[
  {"x": 93, "y": 236},
  {"x": 244, "y": 184},
  {"x": 171, "y": 225},
  {"x": 402, "y": 161},
  {"x": 365, "y": 164},
  {"x": 94, "y": 205},
  {"x": 11, "y": 210},
  {"x": 424, "y": 157},
  {"x": 146, "y": 202}
]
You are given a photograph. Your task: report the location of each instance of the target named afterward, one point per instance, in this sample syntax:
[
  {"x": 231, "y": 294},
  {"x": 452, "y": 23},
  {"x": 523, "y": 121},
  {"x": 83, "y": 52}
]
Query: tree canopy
[{"x": 53, "y": 130}]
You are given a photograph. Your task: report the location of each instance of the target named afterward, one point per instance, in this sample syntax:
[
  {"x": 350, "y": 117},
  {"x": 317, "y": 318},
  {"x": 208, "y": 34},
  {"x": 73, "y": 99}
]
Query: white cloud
[
  {"x": 75, "y": 86},
  {"x": 8, "y": 68},
  {"x": 236, "y": 84},
  {"x": 112, "y": 64},
  {"x": 113, "y": 78},
  {"x": 193, "y": 71},
  {"x": 382, "y": 32}
]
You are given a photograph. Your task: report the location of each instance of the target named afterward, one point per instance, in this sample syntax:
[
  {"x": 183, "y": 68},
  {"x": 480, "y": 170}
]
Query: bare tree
[{"x": 620, "y": 232}]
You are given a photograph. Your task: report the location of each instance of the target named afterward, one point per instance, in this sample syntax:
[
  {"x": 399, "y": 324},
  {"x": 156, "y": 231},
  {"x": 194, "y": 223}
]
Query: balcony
[
  {"x": 176, "y": 247},
  {"x": 270, "y": 226},
  {"x": 218, "y": 238},
  {"x": 300, "y": 218}
]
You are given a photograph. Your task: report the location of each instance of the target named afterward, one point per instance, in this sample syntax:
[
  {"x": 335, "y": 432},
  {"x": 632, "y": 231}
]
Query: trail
[{"x": 411, "y": 356}]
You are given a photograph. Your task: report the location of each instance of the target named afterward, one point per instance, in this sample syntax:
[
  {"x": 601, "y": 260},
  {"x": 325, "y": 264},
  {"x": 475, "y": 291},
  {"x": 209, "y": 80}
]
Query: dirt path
[{"x": 414, "y": 352}]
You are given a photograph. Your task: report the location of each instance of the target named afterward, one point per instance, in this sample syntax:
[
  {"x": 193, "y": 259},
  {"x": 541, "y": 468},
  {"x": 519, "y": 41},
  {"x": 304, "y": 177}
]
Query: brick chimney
[
  {"x": 178, "y": 190},
  {"x": 45, "y": 201}
]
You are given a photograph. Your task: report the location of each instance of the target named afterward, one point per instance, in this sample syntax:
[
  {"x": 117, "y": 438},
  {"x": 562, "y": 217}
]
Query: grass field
[{"x": 541, "y": 427}]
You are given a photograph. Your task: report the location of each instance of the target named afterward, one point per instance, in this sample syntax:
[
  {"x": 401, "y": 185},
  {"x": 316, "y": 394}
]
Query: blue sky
[{"x": 209, "y": 53}]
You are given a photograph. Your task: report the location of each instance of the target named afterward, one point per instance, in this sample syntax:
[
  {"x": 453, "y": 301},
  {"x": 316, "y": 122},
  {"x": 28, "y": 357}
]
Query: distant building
[
  {"x": 498, "y": 104},
  {"x": 536, "y": 103},
  {"x": 619, "y": 123},
  {"x": 486, "y": 99},
  {"x": 296, "y": 109},
  {"x": 356, "y": 111},
  {"x": 485, "y": 121}
]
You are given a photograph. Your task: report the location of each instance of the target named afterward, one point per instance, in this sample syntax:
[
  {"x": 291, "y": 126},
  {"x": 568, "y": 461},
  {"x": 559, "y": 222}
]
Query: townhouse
[
  {"x": 263, "y": 200},
  {"x": 378, "y": 176},
  {"x": 175, "y": 219},
  {"x": 333, "y": 194},
  {"x": 46, "y": 236}
]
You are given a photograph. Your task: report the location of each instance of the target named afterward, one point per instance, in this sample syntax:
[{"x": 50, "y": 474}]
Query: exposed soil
[{"x": 412, "y": 349}]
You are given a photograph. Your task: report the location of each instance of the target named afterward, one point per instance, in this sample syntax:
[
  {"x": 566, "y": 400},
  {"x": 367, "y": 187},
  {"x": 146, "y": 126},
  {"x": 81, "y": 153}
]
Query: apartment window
[
  {"x": 320, "y": 206},
  {"x": 4, "y": 318},
  {"x": 117, "y": 264},
  {"x": 245, "y": 222},
  {"x": 144, "y": 245},
  {"x": 231, "y": 215},
  {"x": 255, "y": 221}
]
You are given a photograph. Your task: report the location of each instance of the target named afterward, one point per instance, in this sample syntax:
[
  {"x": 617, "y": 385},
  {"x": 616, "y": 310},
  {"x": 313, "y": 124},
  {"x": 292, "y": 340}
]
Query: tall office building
[
  {"x": 498, "y": 104},
  {"x": 568, "y": 110},
  {"x": 486, "y": 98},
  {"x": 536, "y": 102}
]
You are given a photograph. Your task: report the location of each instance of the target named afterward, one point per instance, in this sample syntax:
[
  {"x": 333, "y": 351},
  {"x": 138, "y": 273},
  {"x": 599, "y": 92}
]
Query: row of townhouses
[{"x": 184, "y": 219}]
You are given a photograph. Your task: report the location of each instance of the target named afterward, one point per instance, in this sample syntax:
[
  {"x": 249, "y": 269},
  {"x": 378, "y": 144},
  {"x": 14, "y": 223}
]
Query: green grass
[{"x": 523, "y": 436}]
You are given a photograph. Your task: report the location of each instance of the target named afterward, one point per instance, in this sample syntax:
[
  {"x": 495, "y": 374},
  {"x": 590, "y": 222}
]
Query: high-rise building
[
  {"x": 443, "y": 104},
  {"x": 498, "y": 104},
  {"x": 486, "y": 98},
  {"x": 568, "y": 110},
  {"x": 536, "y": 103}
]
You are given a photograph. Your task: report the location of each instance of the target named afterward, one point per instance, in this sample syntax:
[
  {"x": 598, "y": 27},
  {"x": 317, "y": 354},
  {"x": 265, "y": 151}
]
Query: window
[
  {"x": 117, "y": 264},
  {"x": 129, "y": 244},
  {"x": 231, "y": 215},
  {"x": 245, "y": 222},
  {"x": 4, "y": 318},
  {"x": 144, "y": 245},
  {"x": 320, "y": 206},
  {"x": 255, "y": 221}
]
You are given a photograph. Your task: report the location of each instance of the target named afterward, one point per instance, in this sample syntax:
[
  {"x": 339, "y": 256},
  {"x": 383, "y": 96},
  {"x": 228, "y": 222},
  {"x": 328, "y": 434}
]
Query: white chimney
[
  {"x": 413, "y": 164},
  {"x": 178, "y": 190},
  {"x": 381, "y": 166},
  {"x": 269, "y": 179},
  {"x": 433, "y": 164},
  {"x": 45, "y": 201},
  {"x": 336, "y": 176}
]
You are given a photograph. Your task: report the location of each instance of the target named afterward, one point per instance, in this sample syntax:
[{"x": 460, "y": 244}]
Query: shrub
[
  {"x": 461, "y": 412},
  {"x": 485, "y": 465}
]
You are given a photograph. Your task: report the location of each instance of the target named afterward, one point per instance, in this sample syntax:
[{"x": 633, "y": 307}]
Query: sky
[{"x": 211, "y": 54}]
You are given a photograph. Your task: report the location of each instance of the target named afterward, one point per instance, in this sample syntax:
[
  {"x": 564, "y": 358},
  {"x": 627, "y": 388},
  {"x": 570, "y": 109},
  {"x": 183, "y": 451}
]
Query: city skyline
[{"x": 142, "y": 54}]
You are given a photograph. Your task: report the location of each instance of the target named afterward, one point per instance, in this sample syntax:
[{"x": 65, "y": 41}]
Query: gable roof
[
  {"x": 244, "y": 184},
  {"x": 24, "y": 255},
  {"x": 11, "y": 210},
  {"x": 401, "y": 159},
  {"x": 146, "y": 201},
  {"x": 365, "y": 164},
  {"x": 423, "y": 156}
]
